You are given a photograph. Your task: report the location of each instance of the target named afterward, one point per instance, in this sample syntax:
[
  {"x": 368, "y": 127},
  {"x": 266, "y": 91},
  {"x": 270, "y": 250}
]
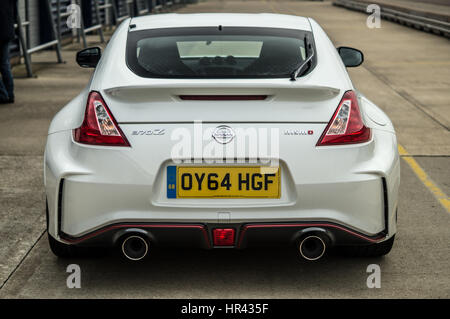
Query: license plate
[{"x": 223, "y": 182}]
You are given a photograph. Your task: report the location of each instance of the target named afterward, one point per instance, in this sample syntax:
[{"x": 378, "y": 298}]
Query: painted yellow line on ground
[{"x": 425, "y": 179}]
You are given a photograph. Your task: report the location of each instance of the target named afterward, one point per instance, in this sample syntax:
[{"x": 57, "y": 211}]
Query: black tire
[
  {"x": 372, "y": 250},
  {"x": 60, "y": 249}
]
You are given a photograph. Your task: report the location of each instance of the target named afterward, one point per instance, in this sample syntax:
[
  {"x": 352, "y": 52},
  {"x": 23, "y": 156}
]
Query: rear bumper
[
  {"x": 350, "y": 191},
  {"x": 201, "y": 235}
]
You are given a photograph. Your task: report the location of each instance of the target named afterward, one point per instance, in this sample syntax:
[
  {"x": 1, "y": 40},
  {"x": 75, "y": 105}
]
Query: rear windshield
[{"x": 215, "y": 52}]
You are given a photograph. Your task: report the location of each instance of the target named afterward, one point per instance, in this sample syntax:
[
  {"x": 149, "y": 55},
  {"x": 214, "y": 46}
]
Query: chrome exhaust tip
[
  {"x": 312, "y": 247},
  {"x": 135, "y": 247}
]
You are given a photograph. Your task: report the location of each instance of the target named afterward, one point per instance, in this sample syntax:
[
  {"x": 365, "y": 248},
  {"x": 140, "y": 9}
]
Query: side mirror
[
  {"x": 89, "y": 57},
  {"x": 350, "y": 56}
]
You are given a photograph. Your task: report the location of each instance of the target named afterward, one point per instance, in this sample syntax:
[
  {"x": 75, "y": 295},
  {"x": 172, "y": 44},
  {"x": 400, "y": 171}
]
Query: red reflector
[
  {"x": 223, "y": 97},
  {"x": 223, "y": 237}
]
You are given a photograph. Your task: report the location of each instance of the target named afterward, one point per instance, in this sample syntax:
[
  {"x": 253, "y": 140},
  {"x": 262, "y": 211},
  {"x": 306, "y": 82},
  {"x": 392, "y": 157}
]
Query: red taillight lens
[
  {"x": 223, "y": 237},
  {"x": 346, "y": 125},
  {"x": 99, "y": 126}
]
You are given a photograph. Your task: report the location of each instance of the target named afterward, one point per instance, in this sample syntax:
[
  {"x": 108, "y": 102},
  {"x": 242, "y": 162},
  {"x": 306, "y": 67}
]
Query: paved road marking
[
  {"x": 425, "y": 179},
  {"x": 22, "y": 260}
]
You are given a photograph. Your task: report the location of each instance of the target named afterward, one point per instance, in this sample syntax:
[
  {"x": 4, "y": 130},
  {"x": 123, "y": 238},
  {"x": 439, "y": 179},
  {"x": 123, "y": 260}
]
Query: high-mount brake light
[
  {"x": 346, "y": 126},
  {"x": 99, "y": 126},
  {"x": 223, "y": 97}
]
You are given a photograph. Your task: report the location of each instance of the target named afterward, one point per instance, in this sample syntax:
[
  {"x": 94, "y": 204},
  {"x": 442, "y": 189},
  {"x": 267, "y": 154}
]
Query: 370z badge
[{"x": 149, "y": 132}]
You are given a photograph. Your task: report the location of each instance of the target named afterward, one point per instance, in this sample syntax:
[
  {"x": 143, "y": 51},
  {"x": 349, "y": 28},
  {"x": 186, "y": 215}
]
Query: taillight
[
  {"x": 346, "y": 125},
  {"x": 99, "y": 126}
]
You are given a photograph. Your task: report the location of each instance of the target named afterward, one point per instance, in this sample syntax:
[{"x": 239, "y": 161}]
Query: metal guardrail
[
  {"x": 25, "y": 45},
  {"x": 82, "y": 31},
  {"x": 133, "y": 8},
  {"x": 59, "y": 16},
  {"x": 129, "y": 5},
  {"x": 408, "y": 19},
  {"x": 142, "y": 8}
]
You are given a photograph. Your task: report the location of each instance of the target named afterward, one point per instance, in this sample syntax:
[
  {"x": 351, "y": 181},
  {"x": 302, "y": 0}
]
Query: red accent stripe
[
  {"x": 223, "y": 97},
  {"x": 205, "y": 234},
  {"x": 241, "y": 237},
  {"x": 103, "y": 230}
]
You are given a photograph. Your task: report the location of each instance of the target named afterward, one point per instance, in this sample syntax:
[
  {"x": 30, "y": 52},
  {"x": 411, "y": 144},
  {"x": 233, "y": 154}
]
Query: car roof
[{"x": 176, "y": 20}]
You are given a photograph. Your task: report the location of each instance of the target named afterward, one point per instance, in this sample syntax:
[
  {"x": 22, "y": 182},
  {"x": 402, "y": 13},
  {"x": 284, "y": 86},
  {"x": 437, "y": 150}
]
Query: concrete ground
[{"x": 406, "y": 72}]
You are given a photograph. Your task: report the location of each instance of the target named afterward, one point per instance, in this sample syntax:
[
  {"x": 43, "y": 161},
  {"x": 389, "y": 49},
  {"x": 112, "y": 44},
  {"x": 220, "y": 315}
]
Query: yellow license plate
[{"x": 220, "y": 182}]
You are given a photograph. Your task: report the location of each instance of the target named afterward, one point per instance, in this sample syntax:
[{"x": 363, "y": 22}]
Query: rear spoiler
[{"x": 162, "y": 91}]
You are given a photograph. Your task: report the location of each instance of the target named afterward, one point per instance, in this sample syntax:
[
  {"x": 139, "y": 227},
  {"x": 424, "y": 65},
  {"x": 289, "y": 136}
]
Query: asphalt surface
[{"x": 406, "y": 72}]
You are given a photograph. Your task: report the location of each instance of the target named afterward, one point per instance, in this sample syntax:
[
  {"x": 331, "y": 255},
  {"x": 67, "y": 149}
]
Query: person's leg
[
  {"x": 5, "y": 70},
  {"x": 4, "y": 97}
]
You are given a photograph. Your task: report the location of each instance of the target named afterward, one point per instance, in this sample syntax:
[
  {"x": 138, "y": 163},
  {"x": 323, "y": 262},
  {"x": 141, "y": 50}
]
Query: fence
[
  {"x": 42, "y": 24},
  {"x": 412, "y": 19}
]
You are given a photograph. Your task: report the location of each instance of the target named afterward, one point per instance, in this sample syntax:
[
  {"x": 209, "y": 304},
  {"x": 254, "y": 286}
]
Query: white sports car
[{"x": 221, "y": 131}]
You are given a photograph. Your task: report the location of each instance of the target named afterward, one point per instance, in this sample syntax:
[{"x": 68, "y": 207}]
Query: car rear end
[{"x": 216, "y": 157}]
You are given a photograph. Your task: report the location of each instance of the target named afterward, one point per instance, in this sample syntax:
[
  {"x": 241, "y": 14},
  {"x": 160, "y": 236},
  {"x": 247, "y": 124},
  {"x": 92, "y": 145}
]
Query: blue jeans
[{"x": 6, "y": 83}]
